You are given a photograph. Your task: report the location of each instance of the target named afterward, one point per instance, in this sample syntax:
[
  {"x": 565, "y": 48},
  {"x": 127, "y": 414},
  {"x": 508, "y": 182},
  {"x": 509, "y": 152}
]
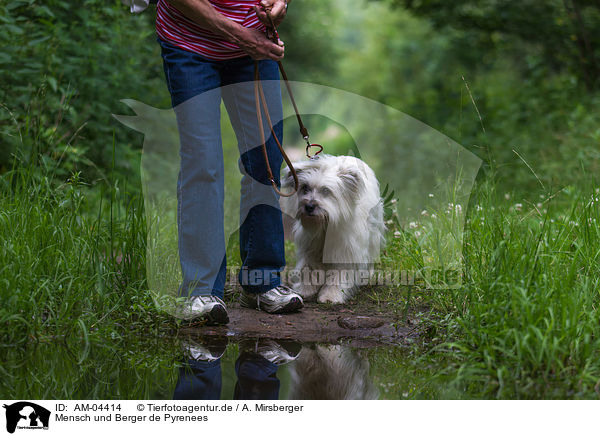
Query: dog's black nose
[{"x": 310, "y": 207}]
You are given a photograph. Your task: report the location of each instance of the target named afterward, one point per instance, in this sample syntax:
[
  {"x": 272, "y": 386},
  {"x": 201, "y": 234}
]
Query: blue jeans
[
  {"x": 197, "y": 85},
  {"x": 256, "y": 379}
]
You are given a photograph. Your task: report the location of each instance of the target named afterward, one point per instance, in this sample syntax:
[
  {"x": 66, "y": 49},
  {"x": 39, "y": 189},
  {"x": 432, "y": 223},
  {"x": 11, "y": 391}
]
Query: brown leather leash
[{"x": 260, "y": 100}]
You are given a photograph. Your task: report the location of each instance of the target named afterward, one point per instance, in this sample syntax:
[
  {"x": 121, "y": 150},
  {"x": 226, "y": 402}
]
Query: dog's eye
[
  {"x": 304, "y": 189},
  {"x": 325, "y": 191}
]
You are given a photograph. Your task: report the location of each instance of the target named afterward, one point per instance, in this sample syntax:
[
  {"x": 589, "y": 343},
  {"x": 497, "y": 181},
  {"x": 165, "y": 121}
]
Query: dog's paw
[
  {"x": 307, "y": 292},
  {"x": 333, "y": 295}
]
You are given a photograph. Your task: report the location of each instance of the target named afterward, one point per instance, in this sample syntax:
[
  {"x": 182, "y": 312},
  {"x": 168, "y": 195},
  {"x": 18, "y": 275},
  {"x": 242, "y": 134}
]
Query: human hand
[
  {"x": 276, "y": 8},
  {"x": 258, "y": 46}
]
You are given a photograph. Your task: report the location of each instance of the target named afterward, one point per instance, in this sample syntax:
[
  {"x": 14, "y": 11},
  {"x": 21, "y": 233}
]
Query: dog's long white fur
[{"x": 338, "y": 228}]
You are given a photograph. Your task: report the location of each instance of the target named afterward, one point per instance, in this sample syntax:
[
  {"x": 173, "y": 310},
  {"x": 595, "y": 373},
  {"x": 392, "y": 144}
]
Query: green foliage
[
  {"x": 68, "y": 271},
  {"x": 514, "y": 82},
  {"x": 63, "y": 68},
  {"x": 525, "y": 322},
  {"x": 492, "y": 91},
  {"x": 556, "y": 34},
  {"x": 308, "y": 32},
  {"x": 529, "y": 319}
]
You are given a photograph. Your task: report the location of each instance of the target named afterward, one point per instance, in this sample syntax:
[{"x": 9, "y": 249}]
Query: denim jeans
[
  {"x": 197, "y": 85},
  {"x": 256, "y": 379}
]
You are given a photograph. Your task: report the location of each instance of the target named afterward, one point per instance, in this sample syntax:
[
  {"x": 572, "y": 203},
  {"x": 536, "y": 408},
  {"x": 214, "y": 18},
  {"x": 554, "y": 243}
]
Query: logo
[
  {"x": 26, "y": 415},
  {"x": 428, "y": 179}
]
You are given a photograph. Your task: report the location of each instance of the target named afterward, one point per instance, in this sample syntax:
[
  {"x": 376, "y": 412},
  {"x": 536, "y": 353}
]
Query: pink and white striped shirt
[{"x": 173, "y": 27}]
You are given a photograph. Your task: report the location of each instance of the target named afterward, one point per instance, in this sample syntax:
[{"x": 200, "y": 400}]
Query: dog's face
[{"x": 327, "y": 192}]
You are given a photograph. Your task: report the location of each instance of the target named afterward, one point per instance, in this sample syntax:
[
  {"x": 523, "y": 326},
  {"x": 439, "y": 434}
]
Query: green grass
[
  {"x": 525, "y": 323},
  {"x": 68, "y": 268},
  {"x": 528, "y": 323}
]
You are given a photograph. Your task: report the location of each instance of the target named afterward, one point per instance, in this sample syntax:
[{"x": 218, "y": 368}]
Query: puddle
[
  {"x": 269, "y": 370},
  {"x": 215, "y": 368}
]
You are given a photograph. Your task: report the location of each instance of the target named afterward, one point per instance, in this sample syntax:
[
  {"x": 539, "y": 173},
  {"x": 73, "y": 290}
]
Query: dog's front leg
[
  {"x": 307, "y": 281},
  {"x": 339, "y": 286}
]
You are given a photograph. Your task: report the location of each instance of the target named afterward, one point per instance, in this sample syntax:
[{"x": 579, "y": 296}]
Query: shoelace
[
  {"x": 283, "y": 290},
  {"x": 211, "y": 299}
]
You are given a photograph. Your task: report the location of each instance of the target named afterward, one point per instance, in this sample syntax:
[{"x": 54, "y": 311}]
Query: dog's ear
[
  {"x": 287, "y": 181},
  {"x": 351, "y": 178}
]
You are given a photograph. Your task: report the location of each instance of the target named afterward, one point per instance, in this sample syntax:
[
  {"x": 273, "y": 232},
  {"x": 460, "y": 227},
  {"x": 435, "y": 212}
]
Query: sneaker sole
[
  {"x": 293, "y": 305},
  {"x": 217, "y": 316}
]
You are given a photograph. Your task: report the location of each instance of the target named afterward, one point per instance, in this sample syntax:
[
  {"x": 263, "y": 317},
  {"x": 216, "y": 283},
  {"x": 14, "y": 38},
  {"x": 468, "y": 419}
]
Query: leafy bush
[{"x": 63, "y": 69}]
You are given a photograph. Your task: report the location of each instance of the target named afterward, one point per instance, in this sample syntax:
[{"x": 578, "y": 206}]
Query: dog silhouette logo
[
  {"x": 429, "y": 178},
  {"x": 26, "y": 415}
]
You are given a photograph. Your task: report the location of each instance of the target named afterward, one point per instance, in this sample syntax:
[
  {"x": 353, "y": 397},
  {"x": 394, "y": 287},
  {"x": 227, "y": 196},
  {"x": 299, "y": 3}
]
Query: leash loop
[{"x": 308, "y": 147}]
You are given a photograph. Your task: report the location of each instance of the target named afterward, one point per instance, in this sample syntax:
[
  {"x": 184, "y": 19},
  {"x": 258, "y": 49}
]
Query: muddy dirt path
[{"x": 358, "y": 326}]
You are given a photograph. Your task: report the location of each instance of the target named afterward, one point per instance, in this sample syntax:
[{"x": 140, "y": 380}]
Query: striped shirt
[{"x": 173, "y": 27}]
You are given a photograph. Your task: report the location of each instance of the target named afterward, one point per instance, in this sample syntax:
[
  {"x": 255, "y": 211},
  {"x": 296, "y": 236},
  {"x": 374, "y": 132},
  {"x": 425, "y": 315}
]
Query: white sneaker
[
  {"x": 203, "y": 308},
  {"x": 280, "y": 299},
  {"x": 275, "y": 351},
  {"x": 204, "y": 349}
]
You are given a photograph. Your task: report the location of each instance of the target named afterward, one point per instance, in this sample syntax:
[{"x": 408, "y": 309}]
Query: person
[{"x": 209, "y": 48}]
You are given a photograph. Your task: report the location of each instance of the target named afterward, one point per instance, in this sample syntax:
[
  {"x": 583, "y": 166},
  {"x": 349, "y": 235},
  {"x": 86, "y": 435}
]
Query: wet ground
[
  {"x": 323, "y": 352},
  {"x": 317, "y": 353},
  {"x": 356, "y": 326}
]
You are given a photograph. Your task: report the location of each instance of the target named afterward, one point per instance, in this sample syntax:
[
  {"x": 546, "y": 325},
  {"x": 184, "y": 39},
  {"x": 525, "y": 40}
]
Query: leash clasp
[{"x": 308, "y": 147}]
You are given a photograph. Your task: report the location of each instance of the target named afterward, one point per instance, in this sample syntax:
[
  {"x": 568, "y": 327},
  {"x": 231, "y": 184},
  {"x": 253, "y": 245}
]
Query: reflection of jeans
[
  {"x": 257, "y": 379},
  {"x": 197, "y": 86},
  {"x": 199, "y": 380}
]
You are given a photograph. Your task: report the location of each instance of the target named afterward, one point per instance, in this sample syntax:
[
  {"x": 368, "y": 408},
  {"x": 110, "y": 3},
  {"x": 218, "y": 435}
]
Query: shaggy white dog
[{"x": 338, "y": 228}]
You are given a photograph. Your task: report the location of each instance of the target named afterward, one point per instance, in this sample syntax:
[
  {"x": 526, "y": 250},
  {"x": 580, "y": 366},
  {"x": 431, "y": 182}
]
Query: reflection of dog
[
  {"x": 338, "y": 227},
  {"x": 331, "y": 372}
]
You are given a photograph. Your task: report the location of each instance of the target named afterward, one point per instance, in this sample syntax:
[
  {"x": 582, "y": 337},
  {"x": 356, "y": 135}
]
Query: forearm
[
  {"x": 203, "y": 14},
  {"x": 252, "y": 41}
]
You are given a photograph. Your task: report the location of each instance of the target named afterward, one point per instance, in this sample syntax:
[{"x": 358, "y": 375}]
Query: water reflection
[
  {"x": 331, "y": 372},
  {"x": 194, "y": 368},
  {"x": 316, "y": 371},
  {"x": 256, "y": 369}
]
